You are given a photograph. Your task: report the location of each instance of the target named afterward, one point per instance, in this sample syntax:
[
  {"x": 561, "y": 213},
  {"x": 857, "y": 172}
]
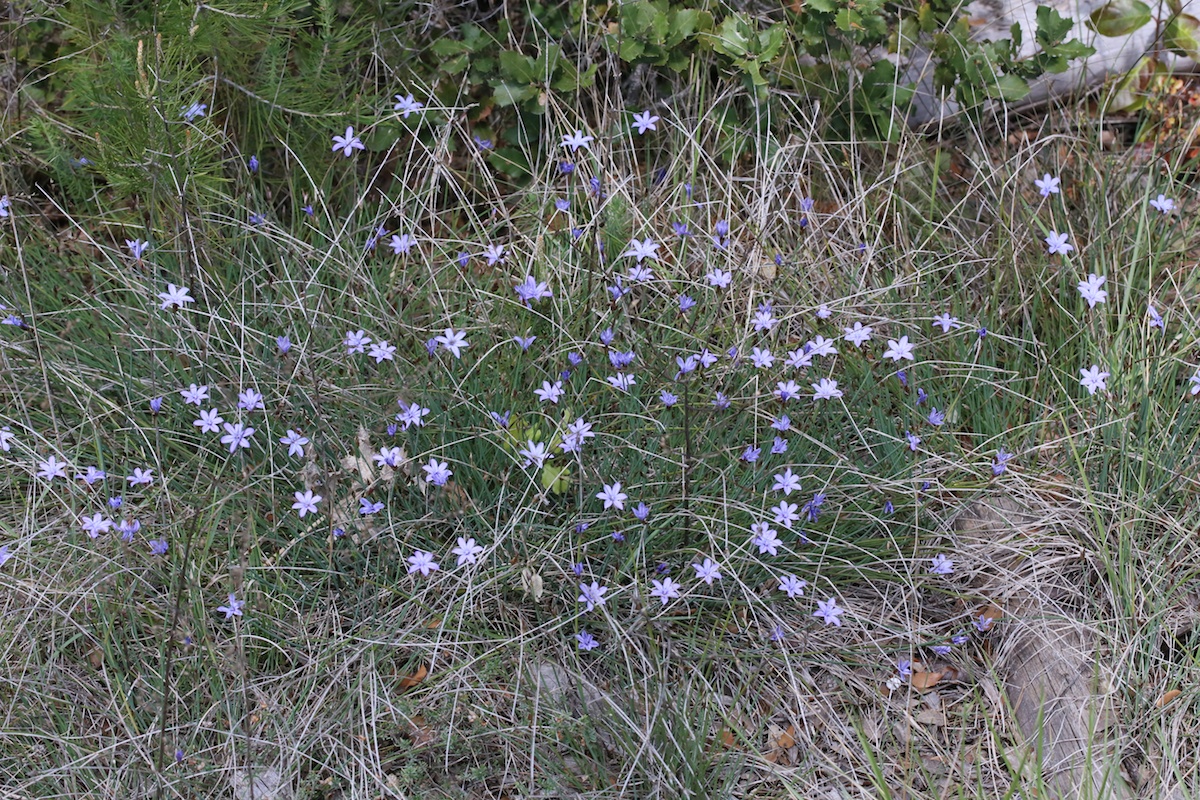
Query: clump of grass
[{"x": 625, "y": 421}]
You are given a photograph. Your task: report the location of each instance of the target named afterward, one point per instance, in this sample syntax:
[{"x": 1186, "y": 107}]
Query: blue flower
[
  {"x": 813, "y": 507},
  {"x": 348, "y": 143},
  {"x": 194, "y": 111},
  {"x": 645, "y": 121},
  {"x": 406, "y": 104}
]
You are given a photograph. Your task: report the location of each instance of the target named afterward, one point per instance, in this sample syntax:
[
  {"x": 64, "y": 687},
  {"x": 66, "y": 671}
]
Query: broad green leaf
[
  {"x": 848, "y": 20},
  {"x": 509, "y": 94},
  {"x": 1183, "y": 35},
  {"x": 445, "y": 48},
  {"x": 547, "y": 61},
  {"x": 1017, "y": 35},
  {"x": 510, "y": 160},
  {"x": 1073, "y": 49},
  {"x": 730, "y": 38},
  {"x": 1051, "y": 26},
  {"x": 455, "y": 65},
  {"x": 682, "y": 24},
  {"x": 1120, "y": 17},
  {"x": 1009, "y": 88},
  {"x": 631, "y": 50},
  {"x": 518, "y": 67},
  {"x": 556, "y": 480},
  {"x": 771, "y": 41}
]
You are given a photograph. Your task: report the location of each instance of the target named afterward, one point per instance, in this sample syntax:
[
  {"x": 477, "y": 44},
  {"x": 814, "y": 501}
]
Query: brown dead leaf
[
  {"x": 930, "y": 716},
  {"x": 409, "y": 681},
  {"x": 787, "y": 738},
  {"x": 779, "y": 742},
  {"x": 419, "y": 732},
  {"x": 924, "y": 681},
  {"x": 1167, "y": 698},
  {"x": 725, "y": 736}
]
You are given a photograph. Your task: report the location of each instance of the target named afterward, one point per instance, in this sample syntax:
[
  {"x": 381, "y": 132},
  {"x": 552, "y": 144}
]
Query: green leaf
[
  {"x": 826, "y": 6},
  {"x": 454, "y": 66},
  {"x": 511, "y": 161},
  {"x": 927, "y": 18},
  {"x": 631, "y": 50},
  {"x": 678, "y": 59},
  {"x": 682, "y": 24},
  {"x": 730, "y": 38},
  {"x": 771, "y": 42},
  {"x": 547, "y": 61},
  {"x": 518, "y": 67},
  {"x": 1051, "y": 26},
  {"x": 1009, "y": 88},
  {"x": 751, "y": 68},
  {"x": 1183, "y": 35},
  {"x": 445, "y": 48},
  {"x": 1073, "y": 49},
  {"x": 556, "y": 480},
  {"x": 1119, "y": 18},
  {"x": 643, "y": 21},
  {"x": 509, "y": 94},
  {"x": 848, "y": 20}
]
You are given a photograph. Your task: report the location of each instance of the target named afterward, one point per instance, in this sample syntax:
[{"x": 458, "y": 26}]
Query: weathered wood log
[
  {"x": 1048, "y": 660},
  {"x": 992, "y": 20}
]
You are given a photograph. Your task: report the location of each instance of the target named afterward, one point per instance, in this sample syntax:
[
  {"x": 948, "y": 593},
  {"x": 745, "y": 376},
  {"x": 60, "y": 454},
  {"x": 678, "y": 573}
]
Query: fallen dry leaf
[
  {"x": 787, "y": 738},
  {"x": 779, "y": 742},
  {"x": 532, "y": 583},
  {"x": 930, "y": 716},
  {"x": 419, "y": 732},
  {"x": 409, "y": 681},
  {"x": 1167, "y": 698},
  {"x": 924, "y": 681}
]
